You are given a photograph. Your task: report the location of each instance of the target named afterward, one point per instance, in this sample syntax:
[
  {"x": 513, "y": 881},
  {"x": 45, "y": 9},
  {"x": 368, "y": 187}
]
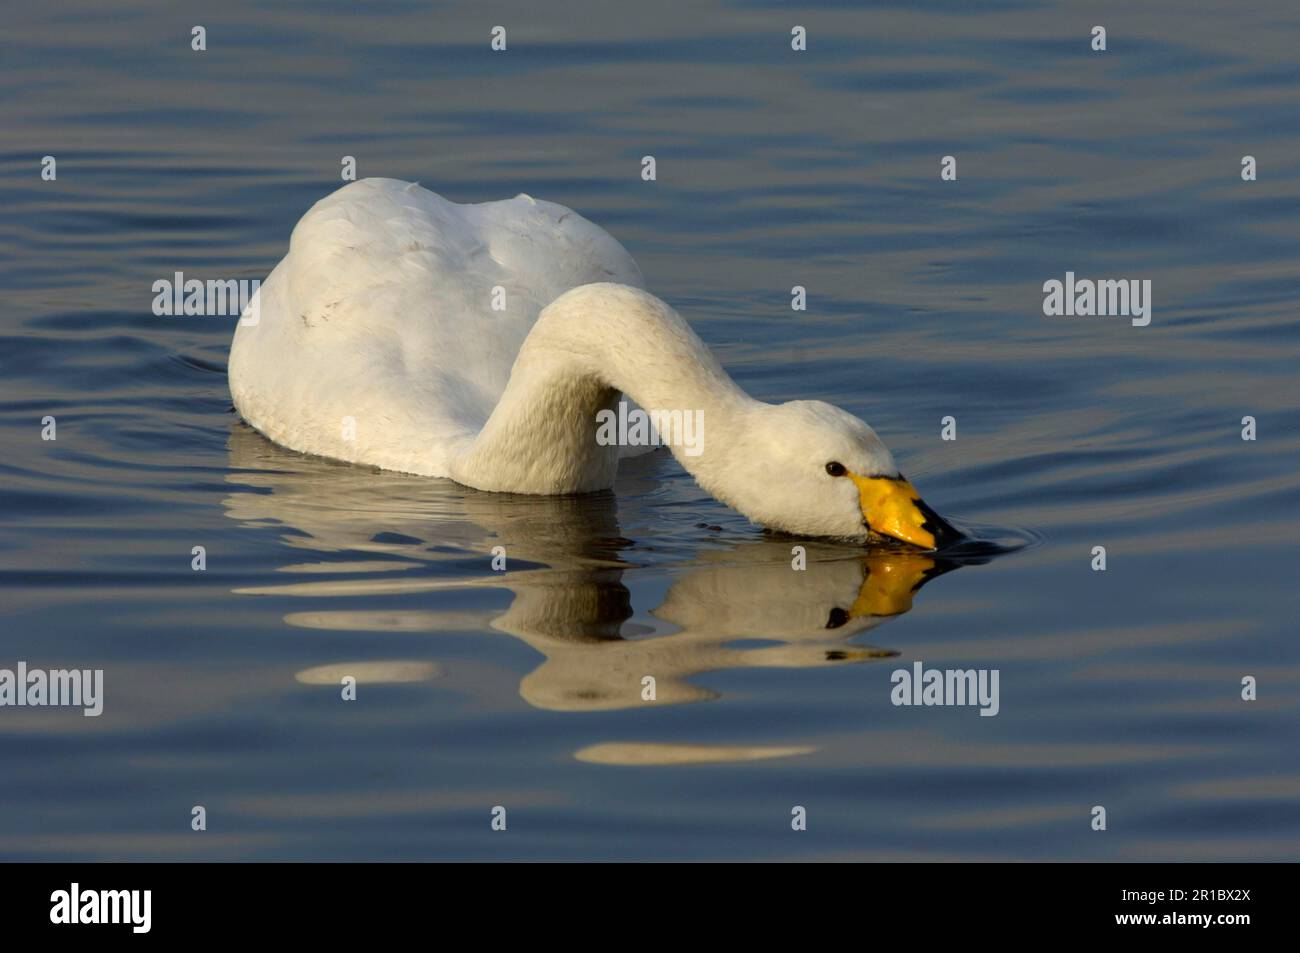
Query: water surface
[{"x": 1118, "y": 688}]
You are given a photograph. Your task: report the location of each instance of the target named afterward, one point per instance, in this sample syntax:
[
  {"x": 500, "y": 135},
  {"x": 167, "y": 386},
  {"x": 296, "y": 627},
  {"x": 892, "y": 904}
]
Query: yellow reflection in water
[{"x": 651, "y": 753}]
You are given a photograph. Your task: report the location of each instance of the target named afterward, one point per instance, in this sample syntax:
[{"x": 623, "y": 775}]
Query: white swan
[{"x": 375, "y": 341}]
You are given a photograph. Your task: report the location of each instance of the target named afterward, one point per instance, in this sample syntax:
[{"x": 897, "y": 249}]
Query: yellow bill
[{"x": 891, "y": 507}]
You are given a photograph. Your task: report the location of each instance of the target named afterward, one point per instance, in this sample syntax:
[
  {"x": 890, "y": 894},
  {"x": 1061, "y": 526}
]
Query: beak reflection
[{"x": 888, "y": 585}]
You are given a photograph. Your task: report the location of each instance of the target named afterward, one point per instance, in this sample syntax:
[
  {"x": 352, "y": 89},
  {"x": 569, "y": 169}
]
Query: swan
[{"x": 481, "y": 342}]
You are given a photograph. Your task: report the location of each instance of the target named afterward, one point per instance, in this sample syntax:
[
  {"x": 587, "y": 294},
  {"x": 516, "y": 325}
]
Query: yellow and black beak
[{"x": 892, "y": 508}]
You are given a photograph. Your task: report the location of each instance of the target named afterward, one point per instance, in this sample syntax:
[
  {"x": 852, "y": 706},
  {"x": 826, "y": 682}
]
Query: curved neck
[{"x": 586, "y": 347}]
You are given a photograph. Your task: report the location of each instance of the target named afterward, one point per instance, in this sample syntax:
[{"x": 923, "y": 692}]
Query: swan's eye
[{"x": 836, "y": 469}]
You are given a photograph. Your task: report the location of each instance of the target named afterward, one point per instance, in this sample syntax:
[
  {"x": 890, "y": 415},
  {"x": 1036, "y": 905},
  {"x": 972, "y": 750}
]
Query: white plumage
[{"x": 381, "y": 313}]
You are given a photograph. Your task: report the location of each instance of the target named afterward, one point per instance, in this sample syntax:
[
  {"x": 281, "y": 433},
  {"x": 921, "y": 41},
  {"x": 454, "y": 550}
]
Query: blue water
[{"x": 775, "y": 168}]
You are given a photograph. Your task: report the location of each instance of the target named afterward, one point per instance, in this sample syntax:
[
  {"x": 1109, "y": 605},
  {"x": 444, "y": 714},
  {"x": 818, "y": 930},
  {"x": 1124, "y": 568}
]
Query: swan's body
[
  {"x": 376, "y": 342},
  {"x": 382, "y": 312}
]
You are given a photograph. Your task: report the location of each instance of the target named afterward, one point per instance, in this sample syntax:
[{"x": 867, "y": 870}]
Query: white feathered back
[{"x": 382, "y": 312}]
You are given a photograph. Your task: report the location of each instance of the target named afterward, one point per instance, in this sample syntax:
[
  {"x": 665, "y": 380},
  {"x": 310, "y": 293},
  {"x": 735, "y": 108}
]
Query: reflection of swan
[
  {"x": 576, "y": 610},
  {"x": 803, "y": 618},
  {"x": 369, "y": 672},
  {"x": 650, "y": 752},
  {"x": 381, "y": 339}
]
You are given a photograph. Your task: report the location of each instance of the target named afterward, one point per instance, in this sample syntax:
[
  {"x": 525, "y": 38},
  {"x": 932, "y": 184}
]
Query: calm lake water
[{"x": 775, "y": 168}]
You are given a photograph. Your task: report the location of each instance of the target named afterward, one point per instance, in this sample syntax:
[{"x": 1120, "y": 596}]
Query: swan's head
[{"x": 812, "y": 469}]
